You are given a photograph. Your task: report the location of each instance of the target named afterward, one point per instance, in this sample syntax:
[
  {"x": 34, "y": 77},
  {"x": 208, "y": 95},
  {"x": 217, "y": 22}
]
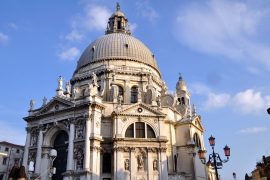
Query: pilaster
[{"x": 26, "y": 148}]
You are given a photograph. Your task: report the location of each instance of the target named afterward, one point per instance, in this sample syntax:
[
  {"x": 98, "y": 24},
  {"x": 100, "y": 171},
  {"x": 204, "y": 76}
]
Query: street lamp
[
  {"x": 214, "y": 158},
  {"x": 268, "y": 111},
  {"x": 51, "y": 170}
]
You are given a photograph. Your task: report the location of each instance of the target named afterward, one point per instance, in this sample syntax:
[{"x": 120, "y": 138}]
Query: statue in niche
[
  {"x": 79, "y": 133},
  {"x": 120, "y": 100},
  {"x": 126, "y": 164},
  {"x": 78, "y": 151},
  {"x": 34, "y": 140},
  {"x": 155, "y": 168},
  {"x": 140, "y": 162}
]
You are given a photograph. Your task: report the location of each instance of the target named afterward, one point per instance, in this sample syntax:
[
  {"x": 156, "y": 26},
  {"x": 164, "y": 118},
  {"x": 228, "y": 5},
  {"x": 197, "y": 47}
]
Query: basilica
[{"x": 115, "y": 118}]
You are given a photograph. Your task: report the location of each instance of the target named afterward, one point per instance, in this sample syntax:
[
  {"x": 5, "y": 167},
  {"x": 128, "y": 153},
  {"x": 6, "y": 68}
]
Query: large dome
[{"x": 117, "y": 46}]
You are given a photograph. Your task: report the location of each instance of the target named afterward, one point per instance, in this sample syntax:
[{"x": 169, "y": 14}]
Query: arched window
[
  {"x": 106, "y": 163},
  {"x": 140, "y": 130},
  {"x": 197, "y": 140},
  {"x": 134, "y": 95},
  {"x": 183, "y": 101},
  {"x": 150, "y": 132},
  {"x": 130, "y": 131}
]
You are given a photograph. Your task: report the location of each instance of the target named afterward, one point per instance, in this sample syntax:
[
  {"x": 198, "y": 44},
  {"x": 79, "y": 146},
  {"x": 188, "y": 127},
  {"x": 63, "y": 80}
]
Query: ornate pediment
[
  {"x": 198, "y": 123},
  {"x": 56, "y": 104},
  {"x": 139, "y": 109}
]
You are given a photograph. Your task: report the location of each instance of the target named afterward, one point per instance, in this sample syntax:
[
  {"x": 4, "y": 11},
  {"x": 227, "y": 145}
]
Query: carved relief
[
  {"x": 155, "y": 163},
  {"x": 79, "y": 129},
  {"x": 34, "y": 136},
  {"x": 141, "y": 155},
  {"x": 127, "y": 165},
  {"x": 32, "y": 156},
  {"x": 140, "y": 159},
  {"x": 79, "y": 156}
]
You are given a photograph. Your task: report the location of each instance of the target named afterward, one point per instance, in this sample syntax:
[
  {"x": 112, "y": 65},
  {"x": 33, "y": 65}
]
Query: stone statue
[
  {"x": 67, "y": 88},
  {"x": 94, "y": 79},
  {"x": 113, "y": 77},
  {"x": 155, "y": 165},
  {"x": 75, "y": 92},
  {"x": 32, "y": 104},
  {"x": 60, "y": 83},
  {"x": 44, "y": 101},
  {"x": 140, "y": 162},
  {"x": 150, "y": 80},
  {"x": 158, "y": 99},
  {"x": 120, "y": 99},
  {"x": 126, "y": 164}
]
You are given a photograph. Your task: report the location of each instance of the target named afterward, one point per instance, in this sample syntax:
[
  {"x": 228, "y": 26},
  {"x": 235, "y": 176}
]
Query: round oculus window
[{"x": 140, "y": 110}]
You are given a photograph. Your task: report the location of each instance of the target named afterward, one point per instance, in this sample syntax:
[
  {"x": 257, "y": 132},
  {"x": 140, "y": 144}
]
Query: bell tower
[
  {"x": 182, "y": 97},
  {"x": 118, "y": 23}
]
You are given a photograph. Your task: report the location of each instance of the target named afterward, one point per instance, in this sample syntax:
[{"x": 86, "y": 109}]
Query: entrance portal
[{"x": 60, "y": 163}]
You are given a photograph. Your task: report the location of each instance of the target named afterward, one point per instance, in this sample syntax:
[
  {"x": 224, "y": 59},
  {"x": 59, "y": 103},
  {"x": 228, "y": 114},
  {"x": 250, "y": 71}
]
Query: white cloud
[
  {"x": 3, "y": 38},
  {"x": 74, "y": 36},
  {"x": 253, "y": 130},
  {"x": 95, "y": 17},
  {"x": 146, "y": 11},
  {"x": 222, "y": 27},
  {"x": 217, "y": 100},
  {"x": 12, "y": 25},
  {"x": 133, "y": 27},
  {"x": 69, "y": 54},
  {"x": 248, "y": 101},
  {"x": 200, "y": 88}
]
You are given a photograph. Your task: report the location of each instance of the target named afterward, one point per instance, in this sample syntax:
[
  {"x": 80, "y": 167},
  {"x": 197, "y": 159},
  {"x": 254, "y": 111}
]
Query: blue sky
[{"x": 220, "y": 46}]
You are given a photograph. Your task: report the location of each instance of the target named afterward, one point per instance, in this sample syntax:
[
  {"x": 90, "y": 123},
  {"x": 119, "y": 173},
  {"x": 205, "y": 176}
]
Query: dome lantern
[{"x": 118, "y": 23}]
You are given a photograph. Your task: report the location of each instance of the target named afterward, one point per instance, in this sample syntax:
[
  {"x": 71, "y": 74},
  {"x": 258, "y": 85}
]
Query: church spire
[{"x": 118, "y": 23}]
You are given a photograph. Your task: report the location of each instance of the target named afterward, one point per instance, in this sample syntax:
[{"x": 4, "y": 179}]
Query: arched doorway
[{"x": 60, "y": 145}]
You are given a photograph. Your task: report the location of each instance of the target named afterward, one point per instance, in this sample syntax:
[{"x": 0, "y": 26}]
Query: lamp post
[
  {"x": 214, "y": 158},
  {"x": 268, "y": 111}
]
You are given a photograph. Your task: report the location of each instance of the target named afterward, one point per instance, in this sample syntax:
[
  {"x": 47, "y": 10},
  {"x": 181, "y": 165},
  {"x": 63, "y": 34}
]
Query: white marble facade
[{"x": 115, "y": 118}]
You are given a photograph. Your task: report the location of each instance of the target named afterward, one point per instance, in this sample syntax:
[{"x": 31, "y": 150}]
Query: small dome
[
  {"x": 117, "y": 46},
  {"x": 181, "y": 85}
]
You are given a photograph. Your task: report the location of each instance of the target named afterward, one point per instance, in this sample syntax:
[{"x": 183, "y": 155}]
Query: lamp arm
[{"x": 223, "y": 161}]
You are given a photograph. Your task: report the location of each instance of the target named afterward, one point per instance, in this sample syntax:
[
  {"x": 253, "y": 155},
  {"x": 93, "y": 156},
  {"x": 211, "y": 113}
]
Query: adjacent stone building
[
  {"x": 10, "y": 154},
  {"x": 115, "y": 118}
]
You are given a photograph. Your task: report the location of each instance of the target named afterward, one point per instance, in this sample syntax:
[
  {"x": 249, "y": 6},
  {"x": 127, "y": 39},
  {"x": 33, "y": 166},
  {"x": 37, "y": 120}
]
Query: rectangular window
[
  {"x": 4, "y": 161},
  {"x": 6, "y": 149},
  {"x": 140, "y": 130}
]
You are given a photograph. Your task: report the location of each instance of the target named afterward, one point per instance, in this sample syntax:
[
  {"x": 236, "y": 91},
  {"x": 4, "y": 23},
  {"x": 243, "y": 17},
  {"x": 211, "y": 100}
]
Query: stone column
[
  {"x": 26, "y": 148},
  {"x": 70, "y": 147},
  {"x": 87, "y": 145},
  {"x": 133, "y": 164},
  {"x": 114, "y": 163},
  {"x": 119, "y": 169},
  {"x": 39, "y": 151},
  {"x": 164, "y": 169}
]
